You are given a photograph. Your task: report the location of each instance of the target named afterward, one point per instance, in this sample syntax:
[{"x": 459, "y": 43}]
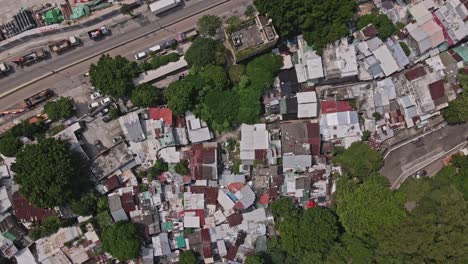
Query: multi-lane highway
[{"x": 156, "y": 32}]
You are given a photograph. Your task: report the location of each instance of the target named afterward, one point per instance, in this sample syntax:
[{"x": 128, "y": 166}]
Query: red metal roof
[
  {"x": 157, "y": 113},
  {"x": 128, "y": 203},
  {"x": 415, "y": 73},
  {"x": 112, "y": 183},
  {"x": 199, "y": 155},
  {"x": 25, "y": 211},
  {"x": 234, "y": 219},
  {"x": 437, "y": 89},
  {"x": 328, "y": 107},
  {"x": 232, "y": 252},
  {"x": 264, "y": 199},
  {"x": 211, "y": 195}
]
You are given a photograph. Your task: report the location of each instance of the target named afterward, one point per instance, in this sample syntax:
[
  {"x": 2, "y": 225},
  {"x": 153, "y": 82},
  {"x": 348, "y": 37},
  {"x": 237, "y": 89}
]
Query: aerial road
[{"x": 119, "y": 43}]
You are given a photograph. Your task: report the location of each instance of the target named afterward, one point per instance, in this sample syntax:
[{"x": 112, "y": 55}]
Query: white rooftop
[
  {"x": 387, "y": 62},
  {"x": 253, "y": 137}
]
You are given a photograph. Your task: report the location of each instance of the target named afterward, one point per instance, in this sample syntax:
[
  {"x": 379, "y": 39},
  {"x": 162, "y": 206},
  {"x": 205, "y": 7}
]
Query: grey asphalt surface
[
  {"x": 120, "y": 34},
  {"x": 440, "y": 141}
]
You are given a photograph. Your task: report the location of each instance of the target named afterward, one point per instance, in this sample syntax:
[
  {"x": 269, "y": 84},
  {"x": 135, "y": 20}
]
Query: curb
[{"x": 109, "y": 49}]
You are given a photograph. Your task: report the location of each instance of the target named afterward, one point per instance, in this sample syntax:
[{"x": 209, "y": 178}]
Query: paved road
[
  {"x": 72, "y": 76},
  {"x": 412, "y": 156}
]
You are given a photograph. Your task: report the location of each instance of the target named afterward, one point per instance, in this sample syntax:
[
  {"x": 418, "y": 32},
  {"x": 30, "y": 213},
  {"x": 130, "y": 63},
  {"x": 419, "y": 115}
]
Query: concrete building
[
  {"x": 309, "y": 66},
  {"x": 340, "y": 63},
  {"x": 251, "y": 37},
  {"x": 453, "y": 17}
]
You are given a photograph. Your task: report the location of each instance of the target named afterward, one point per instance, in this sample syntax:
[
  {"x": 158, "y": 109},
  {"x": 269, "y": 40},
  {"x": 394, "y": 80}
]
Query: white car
[
  {"x": 141, "y": 55},
  {"x": 95, "y": 95},
  {"x": 156, "y": 48},
  {"x": 106, "y": 100},
  {"x": 93, "y": 105}
]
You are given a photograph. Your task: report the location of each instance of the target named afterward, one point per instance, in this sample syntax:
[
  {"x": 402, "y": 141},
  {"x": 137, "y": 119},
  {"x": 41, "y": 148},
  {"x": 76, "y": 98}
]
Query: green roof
[
  {"x": 181, "y": 241},
  {"x": 167, "y": 226},
  {"x": 9, "y": 236},
  {"x": 53, "y": 16},
  {"x": 462, "y": 51}
]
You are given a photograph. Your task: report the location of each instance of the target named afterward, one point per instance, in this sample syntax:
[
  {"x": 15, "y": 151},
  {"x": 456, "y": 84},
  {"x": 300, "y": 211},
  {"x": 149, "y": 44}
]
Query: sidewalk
[{"x": 111, "y": 15}]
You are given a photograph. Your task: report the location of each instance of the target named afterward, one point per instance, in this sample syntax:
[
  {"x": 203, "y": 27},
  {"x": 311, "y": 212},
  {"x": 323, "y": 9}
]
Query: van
[
  {"x": 140, "y": 55},
  {"x": 156, "y": 48},
  {"x": 93, "y": 105},
  {"x": 106, "y": 100}
]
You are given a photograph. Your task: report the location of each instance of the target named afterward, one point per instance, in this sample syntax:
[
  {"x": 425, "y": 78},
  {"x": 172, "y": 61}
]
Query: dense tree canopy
[
  {"x": 205, "y": 51},
  {"x": 436, "y": 229},
  {"x": 122, "y": 240},
  {"x": 146, "y": 95},
  {"x": 214, "y": 76},
  {"x": 208, "y": 25},
  {"x": 368, "y": 208},
  {"x": 59, "y": 109},
  {"x": 305, "y": 234},
  {"x": 182, "y": 95},
  {"x": 321, "y": 22},
  {"x": 86, "y": 205},
  {"x": 26, "y": 129},
  {"x": 9, "y": 145},
  {"x": 254, "y": 259},
  {"x": 384, "y": 25},
  {"x": 219, "y": 109},
  {"x": 236, "y": 72},
  {"x": 359, "y": 160},
  {"x": 457, "y": 111},
  {"x": 113, "y": 76},
  {"x": 47, "y": 173}
]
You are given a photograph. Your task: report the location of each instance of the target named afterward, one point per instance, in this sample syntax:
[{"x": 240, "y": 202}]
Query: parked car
[
  {"x": 95, "y": 95},
  {"x": 106, "y": 119},
  {"x": 93, "y": 105},
  {"x": 117, "y": 139},
  {"x": 106, "y": 101},
  {"x": 169, "y": 43},
  {"x": 156, "y": 48},
  {"x": 141, "y": 55},
  {"x": 104, "y": 112}
]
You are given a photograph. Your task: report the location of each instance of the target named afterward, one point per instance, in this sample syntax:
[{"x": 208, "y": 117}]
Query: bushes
[{"x": 405, "y": 48}]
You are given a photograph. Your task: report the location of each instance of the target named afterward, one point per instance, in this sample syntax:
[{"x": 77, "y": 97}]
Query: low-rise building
[
  {"x": 251, "y": 37},
  {"x": 340, "y": 62}
]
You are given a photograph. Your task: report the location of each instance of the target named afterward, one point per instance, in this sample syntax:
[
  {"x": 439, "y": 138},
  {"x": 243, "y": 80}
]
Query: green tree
[
  {"x": 384, "y": 25},
  {"x": 219, "y": 109},
  {"x": 104, "y": 220},
  {"x": 187, "y": 257},
  {"x": 122, "y": 240},
  {"x": 377, "y": 116},
  {"x": 204, "y": 51},
  {"x": 370, "y": 207},
  {"x": 254, "y": 259},
  {"x": 182, "y": 167},
  {"x": 114, "y": 113},
  {"x": 236, "y": 72},
  {"x": 182, "y": 95},
  {"x": 405, "y": 48},
  {"x": 146, "y": 95},
  {"x": 208, "y": 25},
  {"x": 214, "y": 76},
  {"x": 365, "y": 135},
  {"x": 47, "y": 173},
  {"x": 59, "y": 109},
  {"x": 113, "y": 76},
  {"x": 262, "y": 70},
  {"x": 359, "y": 160},
  {"x": 26, "y": 129},
  {"x": 435, "y": 232},
  {"x": 126, "y": 10},
  {"x": 159, "y": 167},
  {"x": 249, "y": 11},
  {"x": 321, "y": 22},
  {"x": 457, "y": 110},
  {"x": 86, "y": 205},
  {"x": 10, "y": 145}
]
